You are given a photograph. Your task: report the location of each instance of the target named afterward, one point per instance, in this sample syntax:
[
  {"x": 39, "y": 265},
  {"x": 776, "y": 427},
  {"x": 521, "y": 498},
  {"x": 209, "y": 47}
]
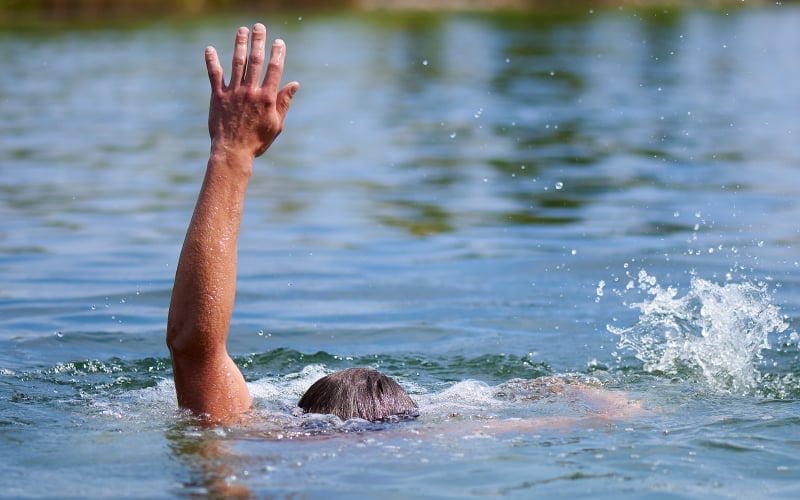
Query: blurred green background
[{"x": 16, "y": 13}]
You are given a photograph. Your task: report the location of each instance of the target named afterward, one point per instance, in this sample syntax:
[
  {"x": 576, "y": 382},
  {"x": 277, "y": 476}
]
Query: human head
[{"x": 358, "y": 393}]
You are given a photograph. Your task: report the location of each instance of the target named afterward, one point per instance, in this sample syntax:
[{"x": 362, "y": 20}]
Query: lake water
[{"x": 457, "y": 200}]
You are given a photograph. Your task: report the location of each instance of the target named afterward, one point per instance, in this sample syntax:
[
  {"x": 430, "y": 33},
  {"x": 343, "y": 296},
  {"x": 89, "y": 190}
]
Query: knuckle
[
  {"x": 214, "y": 73},
  {"x": 251, "y": 94},
  {"x": 269, "y": 104},
  {"x": 256, "y": 57}
]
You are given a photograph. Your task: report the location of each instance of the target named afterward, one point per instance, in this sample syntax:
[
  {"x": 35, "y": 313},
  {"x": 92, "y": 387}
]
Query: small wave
[
  {"x": 715, "y": 333},
  {"x": 286, "y": 390},
  {"x": 467, "y": 396}
]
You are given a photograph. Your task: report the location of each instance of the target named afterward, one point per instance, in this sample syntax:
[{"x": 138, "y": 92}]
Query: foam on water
[
  {"x": 275, "y": 399},
  {"x": 468, "y": 396},
  {"x": 287, "y": 387},
  {"x": 716, "y": 333}
]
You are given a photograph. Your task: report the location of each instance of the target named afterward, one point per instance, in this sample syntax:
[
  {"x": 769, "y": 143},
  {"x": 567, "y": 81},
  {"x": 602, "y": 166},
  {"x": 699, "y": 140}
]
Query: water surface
[{"x": 457, "y": 200}]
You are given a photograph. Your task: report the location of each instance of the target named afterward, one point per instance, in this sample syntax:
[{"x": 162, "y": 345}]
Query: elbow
[
  {"x": 181, "y": 343},
  {"x": 191, "y": 342},
  {"x": 175, "y": 340}
]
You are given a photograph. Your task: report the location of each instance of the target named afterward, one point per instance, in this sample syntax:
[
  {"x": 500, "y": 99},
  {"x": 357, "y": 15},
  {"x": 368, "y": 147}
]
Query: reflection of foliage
[
  {"x": 526, "y": 218},
  {"x": 419, "y": 219}
]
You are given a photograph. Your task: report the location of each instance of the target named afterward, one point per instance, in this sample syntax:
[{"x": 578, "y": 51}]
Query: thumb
[{"x": 285, "y": 96}]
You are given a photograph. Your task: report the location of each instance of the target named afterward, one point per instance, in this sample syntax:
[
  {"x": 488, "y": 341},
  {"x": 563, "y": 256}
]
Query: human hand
[{"x": 246, "y": 115}]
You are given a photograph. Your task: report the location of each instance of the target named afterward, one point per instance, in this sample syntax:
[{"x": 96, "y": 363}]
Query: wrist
[{"x": 231, "y": 157}]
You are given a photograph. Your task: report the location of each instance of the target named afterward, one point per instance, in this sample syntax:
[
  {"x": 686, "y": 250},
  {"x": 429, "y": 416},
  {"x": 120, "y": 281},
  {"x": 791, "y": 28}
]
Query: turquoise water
[{"x": 457, "y": 200}]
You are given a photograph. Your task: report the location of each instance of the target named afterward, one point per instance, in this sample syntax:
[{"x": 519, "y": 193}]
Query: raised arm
[{"x": 245, "y": 116}]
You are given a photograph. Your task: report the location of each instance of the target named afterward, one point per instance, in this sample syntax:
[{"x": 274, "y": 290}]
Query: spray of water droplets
[{"x": 715, "y": 333}]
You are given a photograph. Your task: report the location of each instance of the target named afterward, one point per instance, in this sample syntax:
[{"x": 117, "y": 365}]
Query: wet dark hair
[{"x": 359, "y": 393}]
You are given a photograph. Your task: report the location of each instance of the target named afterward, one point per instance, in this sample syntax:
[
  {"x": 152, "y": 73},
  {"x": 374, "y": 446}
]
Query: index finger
[{"x": 272, "y": 79}]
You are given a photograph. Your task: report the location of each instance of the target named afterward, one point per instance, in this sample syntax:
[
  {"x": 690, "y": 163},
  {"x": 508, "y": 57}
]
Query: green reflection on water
[{"x": 417, "y": 218}]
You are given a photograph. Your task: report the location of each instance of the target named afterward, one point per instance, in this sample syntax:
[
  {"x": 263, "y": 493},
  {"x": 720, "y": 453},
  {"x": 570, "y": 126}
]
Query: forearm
[{"x": 205, "y": 281}]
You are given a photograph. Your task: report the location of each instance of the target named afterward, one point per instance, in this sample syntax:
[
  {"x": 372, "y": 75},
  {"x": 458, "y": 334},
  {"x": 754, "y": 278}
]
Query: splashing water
[{"x": 716, "y": 333}]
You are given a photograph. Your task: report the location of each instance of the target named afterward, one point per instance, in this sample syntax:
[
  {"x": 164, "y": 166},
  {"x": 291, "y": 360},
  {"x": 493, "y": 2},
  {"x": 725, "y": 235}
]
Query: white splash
[{"x": 716, "y": 333}]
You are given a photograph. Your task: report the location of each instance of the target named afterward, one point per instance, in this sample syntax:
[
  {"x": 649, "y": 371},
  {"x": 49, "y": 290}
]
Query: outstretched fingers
[{"x": 248, "y": 113}]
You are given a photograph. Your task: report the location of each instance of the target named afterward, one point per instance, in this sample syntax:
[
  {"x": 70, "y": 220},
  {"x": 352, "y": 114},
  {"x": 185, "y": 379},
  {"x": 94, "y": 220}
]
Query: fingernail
[{"x": 280, "y": 47}]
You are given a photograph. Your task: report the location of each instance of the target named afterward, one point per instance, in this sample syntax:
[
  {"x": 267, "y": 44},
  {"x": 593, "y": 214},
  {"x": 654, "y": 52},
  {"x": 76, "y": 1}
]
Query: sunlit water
[{"x": 459, "y": 201}]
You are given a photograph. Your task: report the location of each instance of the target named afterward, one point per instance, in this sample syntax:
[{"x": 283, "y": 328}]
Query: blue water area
[{"x": 467, "y": 202}]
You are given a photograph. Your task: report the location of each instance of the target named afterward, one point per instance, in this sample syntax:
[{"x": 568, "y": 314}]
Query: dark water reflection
[
  {"x": 436, "y": 122},
  {"x": 515, "y": 119}
]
